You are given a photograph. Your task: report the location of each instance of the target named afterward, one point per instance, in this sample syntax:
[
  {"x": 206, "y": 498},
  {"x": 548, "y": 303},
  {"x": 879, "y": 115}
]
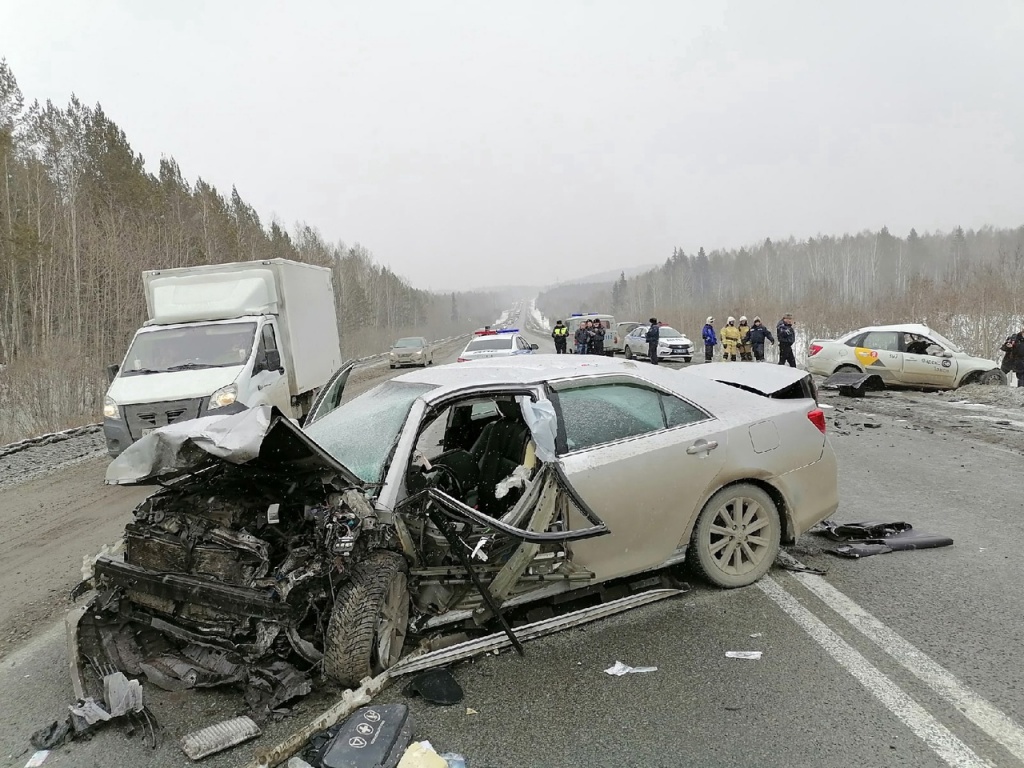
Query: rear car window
[
  {"x": 488, "y": 345},
  {"x": 608, "y": 412}
]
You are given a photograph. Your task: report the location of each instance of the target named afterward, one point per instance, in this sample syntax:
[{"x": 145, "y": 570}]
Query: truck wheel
[
  {"x": 369, "y": 620},
  {"x": 736, "y": 538},
  {"x": 995, "y": 377},
  {"x": 627, "y": 353}
]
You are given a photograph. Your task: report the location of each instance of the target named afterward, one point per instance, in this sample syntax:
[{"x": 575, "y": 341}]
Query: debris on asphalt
[
  {"x": 122, "y": 701},
  {"x": 755, "y": 655},
  {"x": 854, "y": 383},
  {"x": 422, "y": 755},
  {"x": 38, "y": 758},
  {"x": 618, "y": 669},
  {"x": 471, "y": 711},
  {"x": 757, "y": 634},
  {"x": 216, "y": 738},
  {"x": 877, "y": 538},
  {"x": 454, "y": 760},
  {"x": 371, "y": 736},
  {"x": 438, "y": 686}
]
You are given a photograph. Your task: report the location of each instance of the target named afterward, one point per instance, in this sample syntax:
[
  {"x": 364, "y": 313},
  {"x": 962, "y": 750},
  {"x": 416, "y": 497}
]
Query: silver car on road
[{"x": 445, "y": 497}]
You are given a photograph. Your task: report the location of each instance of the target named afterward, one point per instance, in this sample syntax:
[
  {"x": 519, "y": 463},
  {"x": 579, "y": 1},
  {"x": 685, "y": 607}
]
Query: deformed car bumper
[{"x": 811, "y": 493}]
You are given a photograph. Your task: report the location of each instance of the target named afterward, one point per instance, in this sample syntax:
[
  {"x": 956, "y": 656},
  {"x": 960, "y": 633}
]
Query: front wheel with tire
[
  {"x": 627, "y": 353},
  {"x": 736, "y": 538},
  {"x": 992, "y": 378},
  {"x": 369, "y": 620}
]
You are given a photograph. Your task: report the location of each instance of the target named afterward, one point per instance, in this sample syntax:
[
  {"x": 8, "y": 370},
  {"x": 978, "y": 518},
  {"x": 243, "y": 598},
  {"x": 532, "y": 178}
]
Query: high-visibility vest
[{"x": 561, "y": 330}]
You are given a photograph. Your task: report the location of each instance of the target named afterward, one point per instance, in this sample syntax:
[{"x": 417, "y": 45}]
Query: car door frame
[
  {"x": 337, "y": 382},
  {"x": 269, "y": 385},
  {"x": 614, "y": 556},
  {"x": 928, "y": 370}
]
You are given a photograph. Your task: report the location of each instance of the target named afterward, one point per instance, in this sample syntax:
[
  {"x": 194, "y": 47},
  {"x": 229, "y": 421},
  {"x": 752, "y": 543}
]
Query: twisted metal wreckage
[{"x": 262, "y": 562}]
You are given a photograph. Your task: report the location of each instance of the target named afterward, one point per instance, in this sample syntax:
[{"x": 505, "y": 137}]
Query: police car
[{"x": 502, "y": 343}]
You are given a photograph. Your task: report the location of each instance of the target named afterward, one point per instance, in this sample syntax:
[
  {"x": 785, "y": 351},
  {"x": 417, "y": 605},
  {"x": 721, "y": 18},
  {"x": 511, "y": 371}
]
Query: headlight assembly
[{"x": 223, "y": 397}]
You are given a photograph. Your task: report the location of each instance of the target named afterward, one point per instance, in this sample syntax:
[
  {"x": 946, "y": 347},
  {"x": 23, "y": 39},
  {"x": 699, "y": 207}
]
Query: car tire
[
  {"x": 993, "y": 378},
  {"x": 369, "y": 620},
  {"x": 627, "y": 353},
  {"x": 717, "y": 562}
]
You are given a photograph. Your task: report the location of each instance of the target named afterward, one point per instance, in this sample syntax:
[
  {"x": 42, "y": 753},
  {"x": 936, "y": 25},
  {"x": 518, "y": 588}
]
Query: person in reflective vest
[{"x": 561, "y": 336}]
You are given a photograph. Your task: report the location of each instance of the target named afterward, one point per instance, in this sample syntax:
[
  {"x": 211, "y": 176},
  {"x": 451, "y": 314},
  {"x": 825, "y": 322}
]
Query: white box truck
[{"x": 221, "y": 338}]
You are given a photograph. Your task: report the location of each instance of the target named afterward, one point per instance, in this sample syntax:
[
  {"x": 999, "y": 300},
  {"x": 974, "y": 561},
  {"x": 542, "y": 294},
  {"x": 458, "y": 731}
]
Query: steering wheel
[{"x": 445, "y": 480}]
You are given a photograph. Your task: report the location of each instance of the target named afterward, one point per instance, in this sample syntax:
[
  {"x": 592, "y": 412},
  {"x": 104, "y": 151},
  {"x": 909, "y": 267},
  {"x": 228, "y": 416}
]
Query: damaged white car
[{"x": 444, "y": 498}]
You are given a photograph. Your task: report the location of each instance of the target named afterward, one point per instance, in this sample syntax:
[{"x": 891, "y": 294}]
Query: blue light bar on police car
[
  {"x": 576, "y": 314},
  {"x": 509, "y": 330}
]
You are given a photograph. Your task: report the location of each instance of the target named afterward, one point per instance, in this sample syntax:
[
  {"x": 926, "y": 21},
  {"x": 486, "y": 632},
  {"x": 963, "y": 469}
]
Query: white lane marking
[
  {"x": 980, "y": 712},
  {"x": 933, "y": 733}
]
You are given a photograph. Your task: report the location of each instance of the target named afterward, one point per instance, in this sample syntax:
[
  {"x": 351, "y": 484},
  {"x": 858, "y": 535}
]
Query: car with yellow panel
[{"x": 906, "y": 355}]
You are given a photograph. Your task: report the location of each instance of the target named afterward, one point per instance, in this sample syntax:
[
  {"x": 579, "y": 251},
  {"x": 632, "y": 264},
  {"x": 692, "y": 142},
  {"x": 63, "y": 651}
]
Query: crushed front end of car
[{"x": 229, "y": 571}]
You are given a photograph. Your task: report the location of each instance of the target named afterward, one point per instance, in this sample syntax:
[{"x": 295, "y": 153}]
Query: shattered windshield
[
  {"x": 189, "y": 347},
  {"x": 361, "y": 433}
]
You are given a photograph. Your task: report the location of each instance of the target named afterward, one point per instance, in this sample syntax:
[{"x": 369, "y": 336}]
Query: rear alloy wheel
[
  {"x": 736, "y": 538},
  {"x": 627, "y": 353},
  {"x": 369, "y": 620},
  {"x": 992, "y": 378}
]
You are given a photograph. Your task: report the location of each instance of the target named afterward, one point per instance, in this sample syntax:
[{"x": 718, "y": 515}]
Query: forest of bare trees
[
  {"x": 81, "y": 217},
  {"x": 966, "y": 284}
]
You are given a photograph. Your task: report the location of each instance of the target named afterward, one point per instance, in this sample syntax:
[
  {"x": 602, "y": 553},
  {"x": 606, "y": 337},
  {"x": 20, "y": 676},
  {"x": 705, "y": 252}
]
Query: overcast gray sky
[{"x": 478, "y": 143}]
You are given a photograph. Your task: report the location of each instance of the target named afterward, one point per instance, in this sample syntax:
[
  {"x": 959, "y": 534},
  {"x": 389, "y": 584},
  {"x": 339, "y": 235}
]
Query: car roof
[
  {"x": 917, "y": 328},
  {"x": 526, "y": 371}
]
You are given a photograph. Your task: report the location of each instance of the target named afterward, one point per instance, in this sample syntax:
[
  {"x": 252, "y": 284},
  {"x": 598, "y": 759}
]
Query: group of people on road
[
  {"x": 588, "y": 339},
  {"x": 742, "y": 341},
  {"x": 1013, "y": 357}
]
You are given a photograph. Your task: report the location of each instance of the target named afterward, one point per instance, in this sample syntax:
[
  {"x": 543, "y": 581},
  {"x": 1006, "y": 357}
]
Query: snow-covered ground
[{"x": 537, "y": 318}]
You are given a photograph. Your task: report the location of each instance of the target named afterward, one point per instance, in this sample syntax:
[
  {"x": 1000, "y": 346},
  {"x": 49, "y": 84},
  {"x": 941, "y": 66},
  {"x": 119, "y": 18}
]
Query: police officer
[
  {"x": 756, "y": 338},
  {"x": 651, "y": 337},
  {"x": 561, "y": 335},
  {"x": 597, "y": 338},
  {"x": 1014, "y": 348},
  {"x": 787, "y": 338}
]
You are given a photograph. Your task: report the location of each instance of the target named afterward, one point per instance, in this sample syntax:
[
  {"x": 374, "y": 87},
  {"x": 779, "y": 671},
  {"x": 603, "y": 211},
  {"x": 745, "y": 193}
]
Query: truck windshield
[
  {"x": 362, "y": 433},
  {"x": 189, "y": 347}
]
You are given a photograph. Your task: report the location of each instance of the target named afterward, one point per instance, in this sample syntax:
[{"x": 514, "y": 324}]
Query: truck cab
[{"x": 220, "y": 339}]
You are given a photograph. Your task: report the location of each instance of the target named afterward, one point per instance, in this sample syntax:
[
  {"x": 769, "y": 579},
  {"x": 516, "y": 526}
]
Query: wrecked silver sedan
[{"x": 444, "y": 498}]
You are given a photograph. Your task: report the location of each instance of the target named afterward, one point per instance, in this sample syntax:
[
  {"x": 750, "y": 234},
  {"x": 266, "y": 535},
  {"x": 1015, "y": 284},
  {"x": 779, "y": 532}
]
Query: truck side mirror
[
  {"x": 274, "y": 360},
  {"x": 112, "y": 371}
]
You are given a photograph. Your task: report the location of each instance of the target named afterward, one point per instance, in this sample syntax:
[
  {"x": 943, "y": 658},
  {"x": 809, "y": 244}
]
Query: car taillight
[
  {"x": 616, "y": 339},
  {"x": 462, "y": 360},
  {"x": 817, "y": 418},
  {"x": 815, "y": 349}
]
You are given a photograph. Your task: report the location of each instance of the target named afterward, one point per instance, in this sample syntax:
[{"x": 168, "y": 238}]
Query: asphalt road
[{"x": 901, "y": 659}]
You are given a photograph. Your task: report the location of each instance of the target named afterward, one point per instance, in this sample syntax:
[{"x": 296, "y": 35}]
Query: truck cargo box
[{"x": 300, "y": 296}]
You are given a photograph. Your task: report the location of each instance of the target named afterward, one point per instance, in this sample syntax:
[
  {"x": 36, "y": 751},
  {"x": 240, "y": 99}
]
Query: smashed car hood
[
  {"x": 761, "y": 377},
  {"x": 260, "y": 436}
]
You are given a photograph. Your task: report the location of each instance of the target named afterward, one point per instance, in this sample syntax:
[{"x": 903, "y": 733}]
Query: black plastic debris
[
  {"x": 438, "y": 686},
  {"x": 372, "y": 737},
  {"x": 854, "y": 383},
  {"x": 877, "y": 538}
]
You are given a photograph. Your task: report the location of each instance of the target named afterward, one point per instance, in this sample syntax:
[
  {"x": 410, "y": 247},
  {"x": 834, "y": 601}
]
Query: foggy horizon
[{"x": 475, "y": 146}]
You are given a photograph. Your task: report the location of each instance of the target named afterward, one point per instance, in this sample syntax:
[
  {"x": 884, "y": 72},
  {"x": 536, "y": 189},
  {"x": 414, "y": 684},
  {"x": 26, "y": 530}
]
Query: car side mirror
[
  {"x": 274, "y": 360},
  {"x": 112, "y": 370},
  {"x": 946, "y": 353},
  {"x": 534, "y": 346}
]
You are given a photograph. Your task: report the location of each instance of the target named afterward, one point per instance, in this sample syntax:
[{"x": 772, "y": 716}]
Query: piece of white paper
[
  {"x": 618, "y": 669},
  {"x": 38, "y": 758},
  {"x": 743, "y": 654}
]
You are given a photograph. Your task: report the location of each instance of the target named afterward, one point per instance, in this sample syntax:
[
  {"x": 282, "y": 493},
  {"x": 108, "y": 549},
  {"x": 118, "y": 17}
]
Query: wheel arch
[
  {"x": 841, "y": 366},
  {"x": 785, "y": 516}
]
